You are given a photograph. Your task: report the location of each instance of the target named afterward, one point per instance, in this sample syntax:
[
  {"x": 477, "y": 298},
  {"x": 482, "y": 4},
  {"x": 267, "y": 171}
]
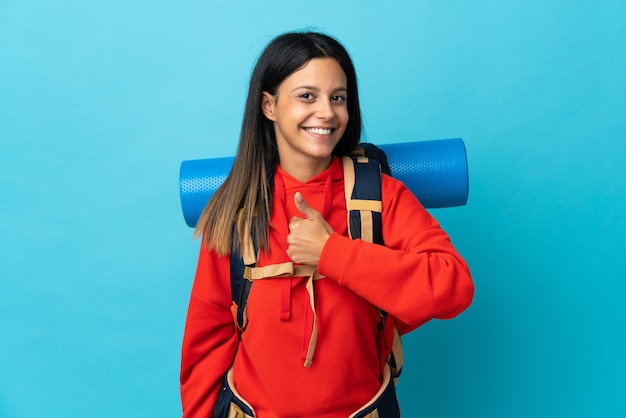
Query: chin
[
  {"x": 322, "y": 155},
  {"x": 323, "y": 151}
]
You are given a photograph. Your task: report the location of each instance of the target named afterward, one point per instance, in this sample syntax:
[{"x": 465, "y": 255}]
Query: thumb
[{"x": 303, "y": 206}]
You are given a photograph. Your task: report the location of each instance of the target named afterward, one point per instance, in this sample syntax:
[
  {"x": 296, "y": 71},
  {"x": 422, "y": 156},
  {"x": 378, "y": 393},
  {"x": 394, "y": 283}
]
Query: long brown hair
[{"x": 246, "y": 194}]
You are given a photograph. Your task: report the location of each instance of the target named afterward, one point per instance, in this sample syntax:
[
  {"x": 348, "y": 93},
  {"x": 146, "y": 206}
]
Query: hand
[{"x": 307, "y": 236}]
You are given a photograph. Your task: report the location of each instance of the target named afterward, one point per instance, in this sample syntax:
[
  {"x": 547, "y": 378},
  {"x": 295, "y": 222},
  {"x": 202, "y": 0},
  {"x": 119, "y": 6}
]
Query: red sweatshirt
[{"x": 415, "y": 277}]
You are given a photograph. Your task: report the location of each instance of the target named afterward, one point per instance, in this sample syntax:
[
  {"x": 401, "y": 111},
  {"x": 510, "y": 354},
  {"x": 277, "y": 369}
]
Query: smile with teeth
[{"x": 319, "y": 131}]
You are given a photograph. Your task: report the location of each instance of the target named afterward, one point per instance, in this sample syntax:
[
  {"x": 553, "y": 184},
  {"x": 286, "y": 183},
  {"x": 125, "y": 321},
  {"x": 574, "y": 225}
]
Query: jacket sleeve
[
  {"x": 210, "y": 339},
  {"x": 417, "y": 276}
]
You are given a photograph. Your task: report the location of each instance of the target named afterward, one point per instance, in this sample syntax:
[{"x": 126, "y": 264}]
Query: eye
[
  {"x": 338, "y": 98},
  {"x": 307, "y": 96}
]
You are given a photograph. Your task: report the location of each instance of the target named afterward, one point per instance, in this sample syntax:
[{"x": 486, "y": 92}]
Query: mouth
[{"x": 320, "y": 131}]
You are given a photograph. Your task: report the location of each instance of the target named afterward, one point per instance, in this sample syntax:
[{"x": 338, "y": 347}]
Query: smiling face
[{"x": 310, "y": 114}]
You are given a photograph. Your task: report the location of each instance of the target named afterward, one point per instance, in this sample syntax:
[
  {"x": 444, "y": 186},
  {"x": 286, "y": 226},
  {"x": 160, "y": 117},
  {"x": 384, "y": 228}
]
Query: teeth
[{"x": 319, "y": 131}]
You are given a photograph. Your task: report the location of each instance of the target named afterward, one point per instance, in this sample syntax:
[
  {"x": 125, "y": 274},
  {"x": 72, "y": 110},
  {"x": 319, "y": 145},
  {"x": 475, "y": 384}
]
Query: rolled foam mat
[{"x": 435, "y": 171}]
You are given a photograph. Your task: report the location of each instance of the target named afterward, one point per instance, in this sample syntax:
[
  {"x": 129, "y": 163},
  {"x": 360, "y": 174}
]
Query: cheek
[
  {"x": 294, "y": 114},
  {"x": 344, "y": 117}
]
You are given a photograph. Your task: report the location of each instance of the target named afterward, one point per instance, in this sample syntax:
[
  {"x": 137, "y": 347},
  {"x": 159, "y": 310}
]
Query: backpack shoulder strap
[
  {"x": 363, "y": 188},
  {"x": 241, "y": 260}
]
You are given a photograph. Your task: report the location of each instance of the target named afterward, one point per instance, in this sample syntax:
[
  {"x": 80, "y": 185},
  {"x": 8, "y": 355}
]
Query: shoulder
[
  {"x": 392, "y": 187},
  {"x": 397, "y": 196}
]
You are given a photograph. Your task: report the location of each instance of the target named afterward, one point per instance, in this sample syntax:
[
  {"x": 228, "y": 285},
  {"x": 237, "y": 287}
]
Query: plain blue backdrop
[{"x": 100, "y": 101}]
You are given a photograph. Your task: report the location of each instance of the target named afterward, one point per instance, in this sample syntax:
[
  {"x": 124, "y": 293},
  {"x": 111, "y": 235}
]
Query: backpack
[{"x": 363, "y": 187}]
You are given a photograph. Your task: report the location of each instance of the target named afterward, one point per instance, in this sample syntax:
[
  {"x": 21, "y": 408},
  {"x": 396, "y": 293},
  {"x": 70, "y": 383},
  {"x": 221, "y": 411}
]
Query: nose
[{"x": 325, "y": 110}]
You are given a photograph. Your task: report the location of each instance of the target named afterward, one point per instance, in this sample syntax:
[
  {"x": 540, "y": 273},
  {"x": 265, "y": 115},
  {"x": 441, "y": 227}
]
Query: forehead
[{"x": 318, "y": 72}]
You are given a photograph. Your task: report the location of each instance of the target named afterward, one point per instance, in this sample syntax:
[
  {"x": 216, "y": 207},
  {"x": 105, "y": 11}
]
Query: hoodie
[{"x": 415, "y": 277}]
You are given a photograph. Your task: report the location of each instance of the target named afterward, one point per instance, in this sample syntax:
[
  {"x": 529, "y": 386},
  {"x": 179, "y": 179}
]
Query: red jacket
[{"x": 416, "y": 276}]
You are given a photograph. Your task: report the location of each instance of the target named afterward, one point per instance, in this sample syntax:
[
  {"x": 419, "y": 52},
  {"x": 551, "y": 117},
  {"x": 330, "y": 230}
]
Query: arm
[
  {"x": 210, "y": 339},
  {"x": 416, "y": 276}
]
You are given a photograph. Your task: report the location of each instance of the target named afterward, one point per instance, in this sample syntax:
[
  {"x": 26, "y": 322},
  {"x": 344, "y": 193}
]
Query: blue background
[{"x": 100, "y": 101}]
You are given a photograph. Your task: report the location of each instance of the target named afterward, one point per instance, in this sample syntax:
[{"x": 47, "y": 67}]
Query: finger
[
  {"x": 293, "y": 224},
  {"x": 303, "y": 206}
]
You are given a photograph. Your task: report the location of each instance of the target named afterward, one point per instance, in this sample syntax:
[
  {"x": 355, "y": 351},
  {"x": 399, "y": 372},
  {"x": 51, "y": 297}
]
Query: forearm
[
  {"x": 414, "y": 287},
  {"x": 210, "y": 338},
  {"x": 209, "y": 346},
  {"x": 418, "y": 275}
]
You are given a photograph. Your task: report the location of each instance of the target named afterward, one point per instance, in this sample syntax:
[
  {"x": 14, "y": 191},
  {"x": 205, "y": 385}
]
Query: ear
[{"x": 268, "y": 103}]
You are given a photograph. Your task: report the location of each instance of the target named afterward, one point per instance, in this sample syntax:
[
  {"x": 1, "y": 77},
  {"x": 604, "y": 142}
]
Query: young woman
[{"x": 311, "y": 348}]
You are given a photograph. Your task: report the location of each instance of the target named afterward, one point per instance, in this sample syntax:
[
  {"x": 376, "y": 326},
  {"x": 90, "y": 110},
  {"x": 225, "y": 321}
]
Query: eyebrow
[{"x": 318, "y": 89}]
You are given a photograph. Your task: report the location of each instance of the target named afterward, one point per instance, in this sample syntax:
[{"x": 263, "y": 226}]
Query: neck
[{"x": 304, "y": 170}]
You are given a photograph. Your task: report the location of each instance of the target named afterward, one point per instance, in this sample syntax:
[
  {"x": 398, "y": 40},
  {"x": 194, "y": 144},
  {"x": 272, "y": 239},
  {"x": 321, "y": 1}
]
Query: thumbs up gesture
[{"x": 307, "y": 236}]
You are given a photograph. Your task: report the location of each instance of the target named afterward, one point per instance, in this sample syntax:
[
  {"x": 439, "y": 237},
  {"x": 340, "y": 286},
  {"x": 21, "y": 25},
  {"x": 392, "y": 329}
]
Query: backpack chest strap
[
  {"x": 288, "y": 269},
  {"x": 275, "y": 271}
]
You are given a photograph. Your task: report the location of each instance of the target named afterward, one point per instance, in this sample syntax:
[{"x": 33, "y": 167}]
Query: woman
[{"x": 296, "y": 357}]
